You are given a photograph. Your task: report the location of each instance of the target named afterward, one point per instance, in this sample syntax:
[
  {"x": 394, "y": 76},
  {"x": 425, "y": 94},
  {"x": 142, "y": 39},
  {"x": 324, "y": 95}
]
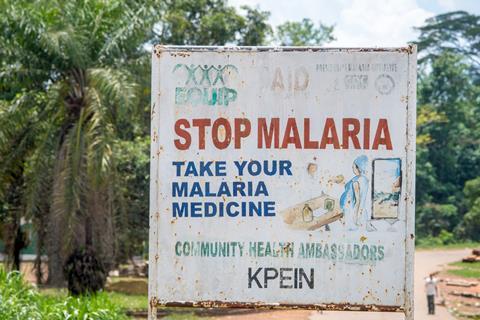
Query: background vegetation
[
  {"x": 74, "y": 118},
  {"x": 20, "y": 300}
]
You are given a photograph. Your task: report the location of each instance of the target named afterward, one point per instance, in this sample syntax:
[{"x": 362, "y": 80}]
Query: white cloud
[
  {"x": 357, "y": 22},
  {"x": 379, "y": 23},
  {"x": 284, "y": 10},
  {"x": 447, "y": 4}
]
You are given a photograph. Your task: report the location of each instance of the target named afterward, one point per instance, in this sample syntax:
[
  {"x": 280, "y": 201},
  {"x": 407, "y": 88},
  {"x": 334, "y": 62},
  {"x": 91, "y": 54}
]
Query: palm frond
[
  {"x": 131, "y": 22},
  {"x": 66, "y": 45},
  {"x": 39, "y": 171},
  {"x": 100, "y": 135},
  {"x": 15, "y": 135},
  {"x": 116, "y": 88}
]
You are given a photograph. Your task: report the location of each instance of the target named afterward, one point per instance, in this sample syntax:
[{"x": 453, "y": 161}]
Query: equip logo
[{"x": 205, "y": 84}]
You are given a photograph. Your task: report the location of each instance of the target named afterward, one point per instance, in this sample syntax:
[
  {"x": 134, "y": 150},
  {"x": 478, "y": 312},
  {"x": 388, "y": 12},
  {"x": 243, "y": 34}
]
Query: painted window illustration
[{"x": 387, "y": 182}]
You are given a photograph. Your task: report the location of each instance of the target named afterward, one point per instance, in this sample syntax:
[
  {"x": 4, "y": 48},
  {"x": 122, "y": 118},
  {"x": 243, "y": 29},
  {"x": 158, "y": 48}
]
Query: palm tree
[{"x": 66, "y": 94}]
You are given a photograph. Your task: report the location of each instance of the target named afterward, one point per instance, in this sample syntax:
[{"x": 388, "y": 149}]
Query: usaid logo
[{"x": 204, "y": 84}]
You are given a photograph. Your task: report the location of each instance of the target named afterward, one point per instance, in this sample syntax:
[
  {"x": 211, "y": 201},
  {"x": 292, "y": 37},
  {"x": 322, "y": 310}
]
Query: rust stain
[
  {"x": 157, "y": 50},
  {"x": 153, "y": 111},
  {"x": 182, "y": 54},
  {"x": 184, "y": 51},
  {"x": 311, "y": 168},
  {"x": 339, "y": 179},
  {"x": 262, "y": 305},
  {"x": 153, "y": 306},
  {"x": 287, "y": 247}
]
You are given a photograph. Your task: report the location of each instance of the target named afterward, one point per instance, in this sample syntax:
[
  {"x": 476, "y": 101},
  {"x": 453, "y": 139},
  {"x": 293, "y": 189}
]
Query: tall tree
[
  {"x": 456, "y": 32},
  {"x": 256, "y": 31},
  {"x": 66, "y": 89},
  {"x": 448, "y": 136},
  {"x": 304, "y": 33},
  {"x": 471, "y": 223},
  {"x": 211, "y": 22}
]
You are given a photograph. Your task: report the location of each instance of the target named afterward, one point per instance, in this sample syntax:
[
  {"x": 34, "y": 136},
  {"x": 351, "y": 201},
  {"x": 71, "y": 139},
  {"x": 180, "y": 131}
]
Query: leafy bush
[
  {"x": 84, "y": 272},
  {"x": 19, "y": 300},
  {"x": 433, "y": 218},
  {"x": 444, "y": 238}
]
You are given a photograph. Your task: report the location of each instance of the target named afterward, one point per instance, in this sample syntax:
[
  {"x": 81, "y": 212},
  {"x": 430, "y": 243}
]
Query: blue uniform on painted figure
[{"x": 353, "y": 200}]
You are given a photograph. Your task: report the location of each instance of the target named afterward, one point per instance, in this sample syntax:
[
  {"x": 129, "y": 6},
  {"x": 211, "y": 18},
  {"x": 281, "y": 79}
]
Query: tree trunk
[
  {"x": 14, "y": 241},
  {"x": 57, "y": 226},
  {"x": 39, "y": 250},
  {"x": 66, "y": 230},
  {"x": 38, "y": 266},
  {"x": 12, "y": 257},
  {"x": 18, "y": 245},
  {"x": 54, "y": 251},
  {"x": 88, "y": 232}
]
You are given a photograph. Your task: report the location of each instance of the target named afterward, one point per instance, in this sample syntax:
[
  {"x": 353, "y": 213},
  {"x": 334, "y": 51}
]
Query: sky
[{"x": 371, "y": 23}]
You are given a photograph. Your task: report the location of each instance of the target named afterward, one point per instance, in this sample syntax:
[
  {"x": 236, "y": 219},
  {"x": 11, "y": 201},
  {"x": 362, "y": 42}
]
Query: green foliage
[
  {"x": 457, "y": 32},
  {"x": 18, "y": 300},
  {"x": 201, "y": 22},
  {"x": 453, "y": 151},
  {"x": 472, "y": 191},
  {"x": 133, "y": 162},
  {"x": 122, "y": 301},
  {"x": 206, "y": 22},
  {"x": 429, "y": 243},
  {"x": 304, "y": 33},
  {"x": 471, "y": 219},
  {"x": 68, "y": 95},
  {"x": 84, "y": 272},
  {"x": 129, "y": 301},
  {"x": 74, "y": 113},
  {"x": 256, "y": 30},
  {"x": 448, "y": 131},
  {"x": 433, "y": 219}
]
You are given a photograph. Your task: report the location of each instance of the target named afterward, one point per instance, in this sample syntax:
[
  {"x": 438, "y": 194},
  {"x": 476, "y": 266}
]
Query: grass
[
  {"x": 465, "y": 269},
  {"x": 128, "y": 285},
  {"x": 129, "y": 302},
  {"x": 122, "y": 297},
  {"x": 124, "y": 301},
  {"x": 20, "y": 300},
  {"x": 420, "y": 245},
  {"x": 121, "y": 300}
]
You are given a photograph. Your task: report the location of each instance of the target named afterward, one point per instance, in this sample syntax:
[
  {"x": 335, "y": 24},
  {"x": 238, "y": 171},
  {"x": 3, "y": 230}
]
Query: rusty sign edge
[
  {"x": 159, "y": 48},
  {"x": 410, "y": 176}
]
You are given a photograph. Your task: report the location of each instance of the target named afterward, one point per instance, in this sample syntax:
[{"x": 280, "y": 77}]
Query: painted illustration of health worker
[{"x": 354, "y": 198}]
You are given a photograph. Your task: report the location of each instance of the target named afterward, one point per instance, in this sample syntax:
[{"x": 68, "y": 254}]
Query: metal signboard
[{"x": 282, "y": 177}]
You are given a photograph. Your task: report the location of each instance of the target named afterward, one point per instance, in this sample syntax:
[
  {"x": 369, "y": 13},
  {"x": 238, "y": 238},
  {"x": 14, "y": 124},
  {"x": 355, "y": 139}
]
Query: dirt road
[{"x": 425, "y": 263}]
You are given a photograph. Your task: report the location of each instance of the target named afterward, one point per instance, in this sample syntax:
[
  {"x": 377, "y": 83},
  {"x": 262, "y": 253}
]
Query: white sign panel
[{"x": 282, "y": 177}]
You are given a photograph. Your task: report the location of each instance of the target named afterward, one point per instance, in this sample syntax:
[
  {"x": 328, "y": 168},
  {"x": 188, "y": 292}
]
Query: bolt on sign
[{"x": 282, "y": 177}]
